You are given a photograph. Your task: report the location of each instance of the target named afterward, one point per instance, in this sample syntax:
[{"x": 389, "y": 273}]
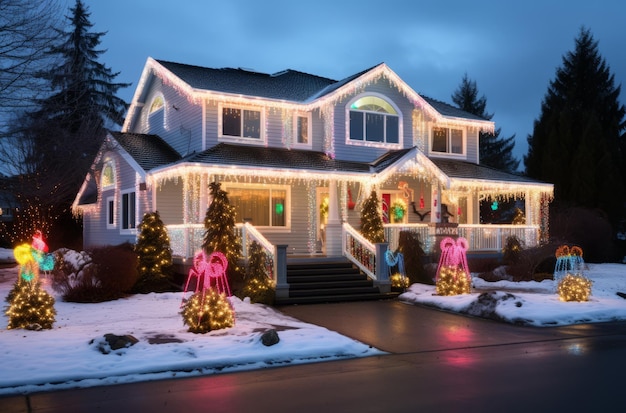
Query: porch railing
[
  {"x": 493, "y": 237},
  {"x": 249, "y": 234},
  {"x": 186, "y": 240},
  {"x": 489, "y": 237},
  {"x": 359, "y": 250}
]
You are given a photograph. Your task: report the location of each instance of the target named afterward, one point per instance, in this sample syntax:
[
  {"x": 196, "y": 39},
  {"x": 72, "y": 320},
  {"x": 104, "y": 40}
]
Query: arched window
[
  {"x": 373, "y": 119},
  {"x": 157, "y": 104},
  {"x": 107, "y": 180}
]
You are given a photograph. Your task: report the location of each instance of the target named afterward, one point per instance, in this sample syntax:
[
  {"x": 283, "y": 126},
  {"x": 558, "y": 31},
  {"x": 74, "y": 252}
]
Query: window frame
[
  {"x": 241, "y": 139},
  {"x": 296, "y": 119},
  {"x": 364, "y": 142},
  {"x": 126, "y": 214},
  {"x": 448, "y": 151},
  {"x": 110, "y": 212},
  {"x": 228, "y": 187}
]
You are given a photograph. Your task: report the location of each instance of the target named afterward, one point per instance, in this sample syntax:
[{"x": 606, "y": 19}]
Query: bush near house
[{"x": 107, "y": 273}]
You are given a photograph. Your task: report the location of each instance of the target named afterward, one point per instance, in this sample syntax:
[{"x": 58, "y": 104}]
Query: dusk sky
[{"x": 511, "y": 49}]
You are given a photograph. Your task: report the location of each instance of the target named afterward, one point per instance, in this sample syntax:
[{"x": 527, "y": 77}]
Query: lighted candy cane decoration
[{"x": 454, "y": 254}]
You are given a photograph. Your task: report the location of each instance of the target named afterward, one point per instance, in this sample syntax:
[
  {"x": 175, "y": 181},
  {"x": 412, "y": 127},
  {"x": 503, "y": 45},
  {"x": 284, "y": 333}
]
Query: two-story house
[{"x": 297, "y": 155}]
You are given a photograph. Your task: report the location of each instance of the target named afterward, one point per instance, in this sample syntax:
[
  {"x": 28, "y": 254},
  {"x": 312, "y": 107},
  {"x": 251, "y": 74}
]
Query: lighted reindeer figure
[{"x": 210, "y": 273}]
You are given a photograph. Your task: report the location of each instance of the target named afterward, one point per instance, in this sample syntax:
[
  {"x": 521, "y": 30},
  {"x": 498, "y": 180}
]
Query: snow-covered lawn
[
  {"x": 68, "y": 355},
  {"x": 534, "y": 303}
]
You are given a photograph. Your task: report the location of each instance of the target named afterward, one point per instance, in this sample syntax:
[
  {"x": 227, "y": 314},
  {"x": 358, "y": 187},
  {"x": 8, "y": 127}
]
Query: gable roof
[
  {"x": 289, "y": 87},
  {"x": 149, "y": 151}
]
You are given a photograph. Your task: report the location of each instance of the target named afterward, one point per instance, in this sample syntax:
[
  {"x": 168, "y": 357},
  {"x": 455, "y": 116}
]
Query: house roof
[
  {"x": 150, "y": 151},
  {"x": 448, "y": 110},
  {"x": 265, "y": 157},
  {"x": 466, "y": 170},
  {"x": 285, "y": 85}
]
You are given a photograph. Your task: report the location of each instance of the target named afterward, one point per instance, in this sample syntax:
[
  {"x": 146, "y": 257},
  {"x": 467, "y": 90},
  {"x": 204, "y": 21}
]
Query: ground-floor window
[
  {"x": 266, "y": 206},
  {"x": 128, "y": 210}
]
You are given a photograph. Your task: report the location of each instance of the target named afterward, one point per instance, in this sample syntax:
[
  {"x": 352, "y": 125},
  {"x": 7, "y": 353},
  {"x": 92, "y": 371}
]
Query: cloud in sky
[{"x": 512, "y": 50}]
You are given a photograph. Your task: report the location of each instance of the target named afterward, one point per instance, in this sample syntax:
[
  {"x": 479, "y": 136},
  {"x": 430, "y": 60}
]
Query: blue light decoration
[{"x": 495, "y": 206}]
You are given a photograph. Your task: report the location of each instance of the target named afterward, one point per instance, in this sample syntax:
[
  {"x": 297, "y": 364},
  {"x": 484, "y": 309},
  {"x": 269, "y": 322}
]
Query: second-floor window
[
  {"x": 241, "y": 123},
  {"x": 302, "y": 130},
  {"x": 373, "y": 119},
  {"x": 447, "y": 140}
]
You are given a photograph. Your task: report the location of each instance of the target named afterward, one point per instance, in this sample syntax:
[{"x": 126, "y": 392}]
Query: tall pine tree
[
  {"x": 219, "y": 223},
  {"x": 58, "y": 140},
  {"x": 577, "y": 141},
  {"x": 371, "y": 221},
  {"x": 493, "y": 151}
]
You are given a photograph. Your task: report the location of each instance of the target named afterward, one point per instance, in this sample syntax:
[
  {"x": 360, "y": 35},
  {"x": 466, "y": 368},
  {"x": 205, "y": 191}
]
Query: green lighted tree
[
  {"x": 154, "y": 266},
  {"x": 371, "y": 221},
  {"x": 30, "y": 306},
  {"x": 258, "y": 286},
  {"x": 219, "y": 223}
]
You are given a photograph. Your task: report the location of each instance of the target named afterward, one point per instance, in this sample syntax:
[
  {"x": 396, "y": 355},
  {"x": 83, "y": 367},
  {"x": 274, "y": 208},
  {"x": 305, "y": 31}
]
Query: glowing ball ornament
[
  {"x": 572, "y": 285},
  {"x": 453, "y": 276}
]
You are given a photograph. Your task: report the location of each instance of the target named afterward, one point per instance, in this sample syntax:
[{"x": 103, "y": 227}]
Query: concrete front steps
[{"x": 327, "y": 280}]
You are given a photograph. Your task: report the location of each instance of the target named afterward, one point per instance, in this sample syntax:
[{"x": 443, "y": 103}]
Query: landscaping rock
[
  {"x": 269, "y": 338},
  {"x": 114, "y": 342}
]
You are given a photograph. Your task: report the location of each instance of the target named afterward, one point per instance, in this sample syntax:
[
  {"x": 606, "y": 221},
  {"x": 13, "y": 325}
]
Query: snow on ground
[
  {"x": 67, "y": 356},
  {"x": 534, "y": 303}
]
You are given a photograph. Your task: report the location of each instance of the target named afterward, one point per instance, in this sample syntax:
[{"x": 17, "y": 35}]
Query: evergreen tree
[
  {"x": 493, "y": 151},
  {"x": 219, "y": 223},
  {"x": 30, "y": 306},
  {"x": 258, "y": 286},
  {"x": 371, "y": 221},
  {"x": 577, "y": 141},
  {"x": 56, "y": 143},
  {"x": 155, "y": 255}
]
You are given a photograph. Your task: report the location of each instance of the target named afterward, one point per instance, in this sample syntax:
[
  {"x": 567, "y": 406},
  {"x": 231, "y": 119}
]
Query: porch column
[
  {"x": 333, "y": 226},
  {"x": 282, "y": 287},
  {"x": 435, "y": 196},
  {"x": 204, "y": 184}
]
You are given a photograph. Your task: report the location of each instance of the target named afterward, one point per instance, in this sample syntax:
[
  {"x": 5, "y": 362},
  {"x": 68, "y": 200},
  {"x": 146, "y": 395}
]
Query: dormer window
[
  {"x": 107, "y": 179},
  {"x": 447, "y": 140},
  {"x": 373, "y": 119}
]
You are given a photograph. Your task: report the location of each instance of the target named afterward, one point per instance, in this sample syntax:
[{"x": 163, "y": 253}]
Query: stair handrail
[
  {"x": 248, "y": 234},
  {"x": 359, "y": 250}
]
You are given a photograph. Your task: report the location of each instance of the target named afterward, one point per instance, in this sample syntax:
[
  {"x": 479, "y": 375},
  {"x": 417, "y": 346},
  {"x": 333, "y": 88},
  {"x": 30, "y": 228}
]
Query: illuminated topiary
[
  {"x": 258, "y": 286},
  {"x": 30, "y": 307},
  {"x": 155, "y": 265},
  {"x": 574, "y": 287},
  {"x": 371, "y": 222},
  {"x": 452, "y": 280},
  {"x": 220, "y": 234},
  {"x": 204, "y": 312},
  {"x": 399, "y": 280}
]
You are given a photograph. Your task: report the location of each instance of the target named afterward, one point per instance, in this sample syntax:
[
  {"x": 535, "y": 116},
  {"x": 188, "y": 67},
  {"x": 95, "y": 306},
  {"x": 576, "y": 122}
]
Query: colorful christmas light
[{"x": 453, "y": 275}]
